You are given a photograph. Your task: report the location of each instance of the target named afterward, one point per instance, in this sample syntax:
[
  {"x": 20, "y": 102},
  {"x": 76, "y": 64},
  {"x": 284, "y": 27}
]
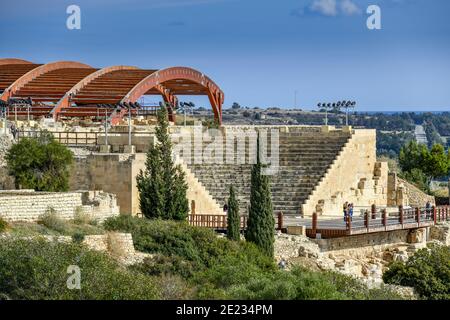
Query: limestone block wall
[
  {"x": 112, "y": 173},
  {"x": 364, "y": 241},
  {"x": 354, "y": 176},
  {"x": 401, "y": 192},
  {"x": 204, "y": 202},
  {"x": 116, "y": 174},
  {"x": 29, "y": 206},
  {"x": 141, "y": 140}
]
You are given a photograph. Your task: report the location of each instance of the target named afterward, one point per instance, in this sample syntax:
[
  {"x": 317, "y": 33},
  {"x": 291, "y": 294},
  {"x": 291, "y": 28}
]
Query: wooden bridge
[{"x": 372, "y": 222}]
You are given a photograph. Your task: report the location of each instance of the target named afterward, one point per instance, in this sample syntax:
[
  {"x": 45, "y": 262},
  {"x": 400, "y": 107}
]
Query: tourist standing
[{"x": 345, "y": 211}]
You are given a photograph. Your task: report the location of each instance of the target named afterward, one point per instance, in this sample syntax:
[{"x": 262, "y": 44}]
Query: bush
[
  {"x": 200, "y": 246},
  {"x": 41, "y": 163},
  {"x": 427, "y": 271},
  {"x": 162, "y": 265},
  {"x": 81, "y": 217},
  {"x": 3, "y": 225},
  {"x": 78, "y": 237},
  {"x": 38, "y": 270},
  {"x": 51, "y": 220},
  {"x": 216, "y": 268}
]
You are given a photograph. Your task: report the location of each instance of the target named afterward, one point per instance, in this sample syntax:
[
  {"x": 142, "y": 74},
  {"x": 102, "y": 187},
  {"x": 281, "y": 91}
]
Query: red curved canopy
[{"x": 67, "y": 84}]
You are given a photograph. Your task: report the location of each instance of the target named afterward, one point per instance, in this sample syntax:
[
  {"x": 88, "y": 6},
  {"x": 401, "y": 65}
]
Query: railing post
[
  {"x": 366, "y": 220},
  {"x": 349, "y": 224},
  {"x": 374, "y": 211},
  {"x": 418, "y": 215},
  {"x": 400, "y": 213},
  {"x": 434, "y": 214},
  {"x": 314, "y": 224},
  {"x": 384, "y": 218},
  {"x": 280, "y": 220}
]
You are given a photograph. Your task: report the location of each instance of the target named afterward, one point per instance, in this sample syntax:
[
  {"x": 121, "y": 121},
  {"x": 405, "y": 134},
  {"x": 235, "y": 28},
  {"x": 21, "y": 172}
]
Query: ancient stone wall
[
  {"x": 355, "y": 176},
  {"x": 367, "y": 240},
  {"x": 29, "y": 206},
  {"x": 116, "y": 173},
  {"x": 109, "y": 172},
  {"x": 401, "y": 192}
]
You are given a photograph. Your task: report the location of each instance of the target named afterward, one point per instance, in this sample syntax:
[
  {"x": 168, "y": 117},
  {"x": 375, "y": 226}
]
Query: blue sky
[{"x": 260, "y": 52}]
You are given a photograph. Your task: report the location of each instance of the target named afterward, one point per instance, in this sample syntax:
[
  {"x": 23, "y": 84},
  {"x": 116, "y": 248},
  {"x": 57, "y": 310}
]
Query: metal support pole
[
  {"x": 326, "y": 116},
  {"x": 384, "y": 215}
]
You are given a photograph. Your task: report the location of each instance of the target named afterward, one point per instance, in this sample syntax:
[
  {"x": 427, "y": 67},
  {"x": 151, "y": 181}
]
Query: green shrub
[
  {"x": 78, "y": 237},
  {"x": 38, "y": 270},
  {"x": 81, "y": 217},
  {"x": 163, "y": 265},
  {"x": 51, "y": 220},
  {"x": 41, "y": 163},
  {"x": 200, "y": 246},
  {"x": 427, "y": 271},
  {"x": 3, "y": 225}
]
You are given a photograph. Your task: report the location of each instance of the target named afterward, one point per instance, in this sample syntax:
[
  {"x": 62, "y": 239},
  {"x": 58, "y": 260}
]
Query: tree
[
  {"x": 433, "y": 163},
  {"x": 235, "y": 105},
  {"x": 162, "y": 186},
  {"x": 42, "y": 163},
  {"x": 261, "y": 223},
  {"x": 427, "y": 271},
  {"x": 234, "y": 221}
]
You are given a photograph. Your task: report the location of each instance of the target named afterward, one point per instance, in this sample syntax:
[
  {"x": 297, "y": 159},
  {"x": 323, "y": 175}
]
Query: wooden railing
[
  {"x": 217, "y": 222},
  {"x": 65, "y": 137},
  {"x": 412, "y": 218}
]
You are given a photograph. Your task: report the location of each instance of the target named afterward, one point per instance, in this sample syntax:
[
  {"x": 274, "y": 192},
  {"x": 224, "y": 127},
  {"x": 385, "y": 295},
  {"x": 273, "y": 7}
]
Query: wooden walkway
[{"x": 373, "y": 222}]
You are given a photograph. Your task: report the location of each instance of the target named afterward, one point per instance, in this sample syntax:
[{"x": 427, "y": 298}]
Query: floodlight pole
[{"x": 326, "y": 116}]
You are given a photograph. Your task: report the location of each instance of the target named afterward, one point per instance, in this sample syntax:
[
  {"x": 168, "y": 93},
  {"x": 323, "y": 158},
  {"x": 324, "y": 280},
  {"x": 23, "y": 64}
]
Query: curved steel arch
[
  {"x": 215, "y": 95},
  {"x": 65, "y": 101},
  {"x": 13, "y": 61},
  {"x": 36, "y": 72}
]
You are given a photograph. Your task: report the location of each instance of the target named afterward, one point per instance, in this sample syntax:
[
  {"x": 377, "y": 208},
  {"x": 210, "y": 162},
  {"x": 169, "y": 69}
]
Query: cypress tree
[
  {"x": 234, "y": 221},
  {"x": 261, "y": 223},
  {"x": 162, "y": 186}
]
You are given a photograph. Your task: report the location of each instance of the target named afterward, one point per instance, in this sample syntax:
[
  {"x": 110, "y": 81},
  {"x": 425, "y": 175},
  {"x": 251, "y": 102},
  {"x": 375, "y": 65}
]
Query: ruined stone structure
[
  {"x": 29, "y": 206},
  {"x": 317, "y": 169},
  {"x": 402, "y": 193}
]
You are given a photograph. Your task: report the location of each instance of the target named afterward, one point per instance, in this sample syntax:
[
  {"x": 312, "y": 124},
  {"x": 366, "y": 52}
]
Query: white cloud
[
  {"x": 334, "y": 8},
  {"x": 349, "y": 8},
  {"x": 325, "y": 7}
]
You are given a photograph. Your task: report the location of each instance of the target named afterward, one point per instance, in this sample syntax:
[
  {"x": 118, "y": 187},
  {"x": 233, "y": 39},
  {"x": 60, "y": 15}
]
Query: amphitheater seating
[{"x": 305, "y": 154}]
